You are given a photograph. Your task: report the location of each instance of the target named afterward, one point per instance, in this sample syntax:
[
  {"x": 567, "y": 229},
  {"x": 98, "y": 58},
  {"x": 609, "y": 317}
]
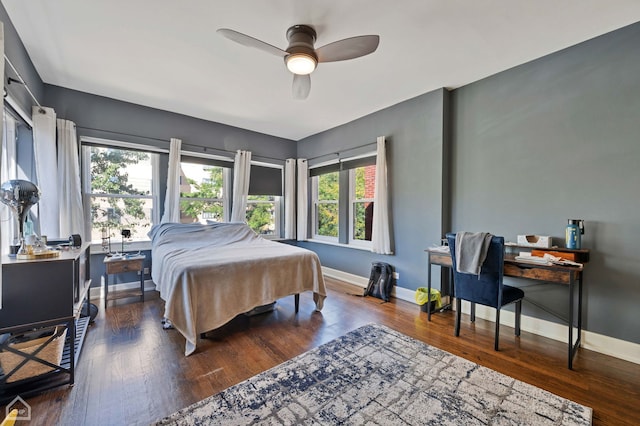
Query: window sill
[
  {"x": 96, "y": 248},
  {"x": 271, "y": 237},
  {"x": 331, "y": 243}
]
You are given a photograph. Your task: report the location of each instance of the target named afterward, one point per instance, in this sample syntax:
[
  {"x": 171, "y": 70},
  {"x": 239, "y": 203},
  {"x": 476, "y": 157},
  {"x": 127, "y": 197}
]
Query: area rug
[{"x": 377, "y": 376}]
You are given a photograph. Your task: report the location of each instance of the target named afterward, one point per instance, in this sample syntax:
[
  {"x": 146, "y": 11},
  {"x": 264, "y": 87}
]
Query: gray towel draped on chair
[{"x": 471, "y": 251}]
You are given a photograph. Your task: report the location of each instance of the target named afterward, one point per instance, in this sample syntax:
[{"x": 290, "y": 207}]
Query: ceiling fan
[{"x": 302, "y": 58}]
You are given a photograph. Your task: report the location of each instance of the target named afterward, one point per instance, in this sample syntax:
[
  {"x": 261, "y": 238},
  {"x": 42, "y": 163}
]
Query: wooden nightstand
[{"x": 120, "y": 265}]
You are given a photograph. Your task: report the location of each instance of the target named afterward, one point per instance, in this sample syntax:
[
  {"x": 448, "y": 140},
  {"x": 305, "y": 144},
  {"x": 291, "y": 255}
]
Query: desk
[{"x": 567, "y": 275}]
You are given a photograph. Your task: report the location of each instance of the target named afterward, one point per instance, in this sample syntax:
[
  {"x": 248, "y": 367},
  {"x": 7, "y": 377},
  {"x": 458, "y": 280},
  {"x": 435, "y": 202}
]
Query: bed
[{"x": 208, "y": 274}]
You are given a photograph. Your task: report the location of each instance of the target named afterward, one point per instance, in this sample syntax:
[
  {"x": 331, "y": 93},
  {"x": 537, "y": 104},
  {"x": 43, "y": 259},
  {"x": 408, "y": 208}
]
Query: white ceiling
[{"x": 166, "y": 53}]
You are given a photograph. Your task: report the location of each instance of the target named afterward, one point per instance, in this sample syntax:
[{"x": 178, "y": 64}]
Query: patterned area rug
[{"x": 377, "y": 376}]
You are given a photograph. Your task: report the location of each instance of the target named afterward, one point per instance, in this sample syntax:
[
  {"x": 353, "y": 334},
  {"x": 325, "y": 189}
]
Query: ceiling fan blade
[
  {"x": 249, "y": 41},
  {"x": 301, "y": 86},
  {"x": 349, "y": 48}
]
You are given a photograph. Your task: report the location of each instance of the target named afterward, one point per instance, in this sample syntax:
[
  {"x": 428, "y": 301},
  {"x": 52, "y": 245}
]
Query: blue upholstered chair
[{"x": 487, "y": 289}]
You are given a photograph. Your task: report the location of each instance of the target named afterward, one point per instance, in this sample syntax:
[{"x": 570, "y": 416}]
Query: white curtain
[
  {"x": 290, "y": 199},
  {"x": 1, "y": 133},
  {"x": 241, "y": 175},
  {"x": 303, "y": 198},
  {"x": 381, "y": 237},
  {"x": 70, "y": 190},
  {"x": 44, "y": 151},
  {"x": 8, "y": 171},
  {"x": 226, "y": 192},
  {"x": 172, "y": 197}
]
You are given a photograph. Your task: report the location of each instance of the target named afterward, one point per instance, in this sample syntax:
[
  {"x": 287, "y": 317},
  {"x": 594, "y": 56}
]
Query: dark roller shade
[
  {"x": 207, "y": 161},
  {"x": 265, "y": 181},
  {"x": 343, "y": 165}
]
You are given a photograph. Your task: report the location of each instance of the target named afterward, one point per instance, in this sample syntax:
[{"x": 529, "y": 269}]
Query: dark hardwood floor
[{"x": 131, "y": 371}]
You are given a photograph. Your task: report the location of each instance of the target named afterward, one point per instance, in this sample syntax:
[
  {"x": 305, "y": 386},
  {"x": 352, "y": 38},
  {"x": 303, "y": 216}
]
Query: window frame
[
  {"x": 346, "y": 199},
  {"x": 9, "y": 165},
  {"x": 86, "y": 143},
  {"x": 277, "y": 202},
  {"x": 215, "y": 161},
  {"x": 352, "y": 215},
  {"x": 315, "y": 209}
]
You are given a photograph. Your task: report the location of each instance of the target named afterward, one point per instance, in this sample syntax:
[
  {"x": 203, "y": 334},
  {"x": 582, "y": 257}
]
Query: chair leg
[
  {"x": 458, "y": 312},
  {"x": 518, "y": 315},
  {"x": 473, "y": 312},
  {"x": 497, "y": 329}
]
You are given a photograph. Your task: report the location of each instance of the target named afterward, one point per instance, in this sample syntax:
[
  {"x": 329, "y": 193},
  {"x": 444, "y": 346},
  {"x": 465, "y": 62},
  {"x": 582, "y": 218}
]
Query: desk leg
[
  {"x": 573, "y": 347},
  {"x": 429, "y": 288},
  {"x": 142, "y": 286},
  {"x": 452, "y": 287},
  {"x": 106, "y": 290},
  {"x": 580, "y": 308}
]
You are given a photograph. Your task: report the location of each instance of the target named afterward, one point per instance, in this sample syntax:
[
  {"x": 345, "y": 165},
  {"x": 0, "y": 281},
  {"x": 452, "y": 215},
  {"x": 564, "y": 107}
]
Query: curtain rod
[
  {"x": 24, "y": 83},
  {"x": 205, "y": 149},
  {"x": 337, "y": 153}
]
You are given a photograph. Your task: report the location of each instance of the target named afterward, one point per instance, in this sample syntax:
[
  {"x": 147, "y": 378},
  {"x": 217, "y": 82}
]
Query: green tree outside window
[
  {"x": 123, "y": 208},
  {"x": 328, "y": 192}
]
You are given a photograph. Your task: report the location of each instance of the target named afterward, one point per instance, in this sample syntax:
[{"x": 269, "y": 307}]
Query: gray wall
[
  {"x": 531, "y": 147},
  {"x": 112, "y": 119},
  {"x": 15, "y": 51},
  {"x": 415, "y": 144},
  {"x": 98, "y": 116},
  {"x": 554, "y": 139}
]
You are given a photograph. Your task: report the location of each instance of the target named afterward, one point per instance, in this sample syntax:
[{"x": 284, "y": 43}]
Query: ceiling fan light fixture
[{"x": 301, "y": 63}]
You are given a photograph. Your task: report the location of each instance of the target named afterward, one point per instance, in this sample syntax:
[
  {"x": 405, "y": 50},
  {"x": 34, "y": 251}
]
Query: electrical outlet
[
  {"x": 146, "y": 271},
  {"x": 396, "y": 275}
]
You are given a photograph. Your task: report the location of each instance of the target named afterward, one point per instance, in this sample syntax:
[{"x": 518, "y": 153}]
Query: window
[
  {"x": 342, "y": 200},
  {"x": 202, "y": 191},
  {"x": 8, "y": 170},
  {"x": 119, "y": 187},
  {"x": 264, "y": 200},
  {"x": 362, "y": 182},
  {"x": 263, "y": 214},
  {"x": 326, "y": 190},
  {"x": 16, "y": 163}
]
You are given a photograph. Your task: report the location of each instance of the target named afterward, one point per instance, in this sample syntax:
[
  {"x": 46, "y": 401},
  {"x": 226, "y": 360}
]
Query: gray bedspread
[{"x": 208, "y": 274}]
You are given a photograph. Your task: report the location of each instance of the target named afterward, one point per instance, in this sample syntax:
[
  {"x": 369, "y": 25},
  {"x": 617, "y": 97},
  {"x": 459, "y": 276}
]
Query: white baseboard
[
  {"x": 355, "y": 283},
  {"x": 611, "y": 346},
  {"x": 96, "y": 292}
]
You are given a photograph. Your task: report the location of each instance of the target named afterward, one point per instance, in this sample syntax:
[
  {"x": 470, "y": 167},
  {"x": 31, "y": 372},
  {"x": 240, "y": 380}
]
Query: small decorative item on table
[{"x": 126, "y": 234}]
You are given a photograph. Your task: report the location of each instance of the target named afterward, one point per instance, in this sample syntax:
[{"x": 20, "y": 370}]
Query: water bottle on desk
[{"x": 573, "y": 233}]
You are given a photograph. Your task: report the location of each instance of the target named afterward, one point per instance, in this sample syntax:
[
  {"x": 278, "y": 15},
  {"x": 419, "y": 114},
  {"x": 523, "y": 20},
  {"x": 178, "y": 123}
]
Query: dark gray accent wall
[
  {"x": 108, "y": 118},
  {"x": 415, "y": 136},
  {"x": 17, "y": 54},
  {"x": 554, "y": 139},
  {"x": 531, "y": 147}
]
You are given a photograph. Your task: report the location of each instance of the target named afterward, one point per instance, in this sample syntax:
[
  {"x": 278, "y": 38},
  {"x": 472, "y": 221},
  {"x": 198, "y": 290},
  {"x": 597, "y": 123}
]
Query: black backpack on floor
[{"x": 380, "y": 281}]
